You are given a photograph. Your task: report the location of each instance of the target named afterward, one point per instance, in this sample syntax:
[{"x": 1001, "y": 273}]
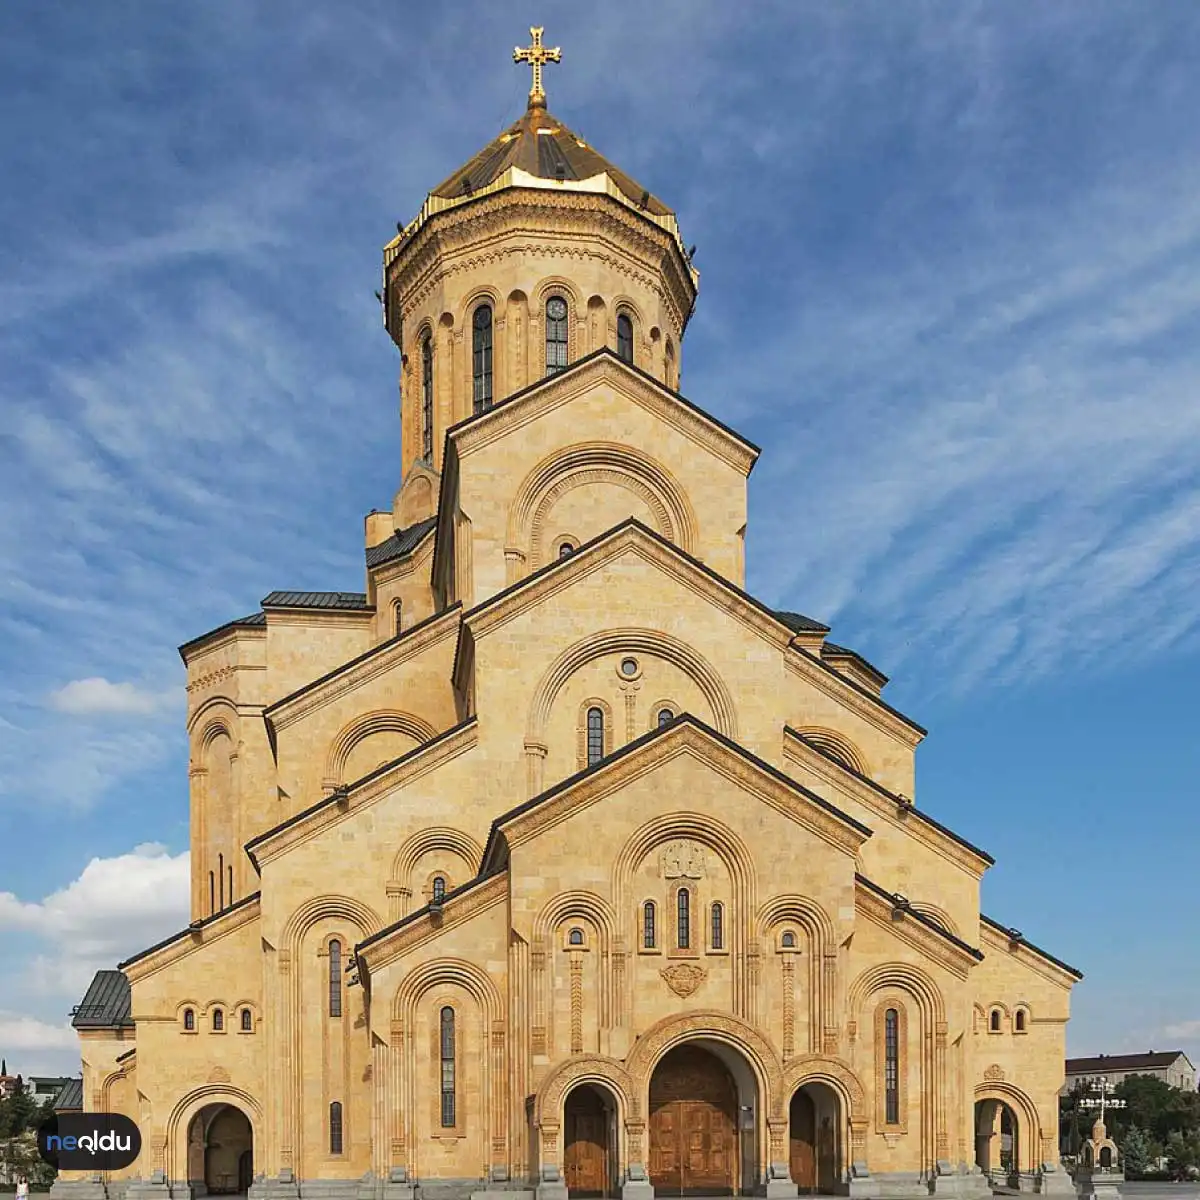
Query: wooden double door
[
  {"x": 693, "y": 1125},
  {"x": 812, "y": 1146}
]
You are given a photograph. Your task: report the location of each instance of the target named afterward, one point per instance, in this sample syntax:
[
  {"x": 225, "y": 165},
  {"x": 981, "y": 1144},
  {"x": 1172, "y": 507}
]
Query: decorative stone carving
[
  {"x": 994, "y": 1073},
  {"x": 682, "y": 860},
  {"x": 218, "y": 1075},
  {"x": 684, "y": 978}
]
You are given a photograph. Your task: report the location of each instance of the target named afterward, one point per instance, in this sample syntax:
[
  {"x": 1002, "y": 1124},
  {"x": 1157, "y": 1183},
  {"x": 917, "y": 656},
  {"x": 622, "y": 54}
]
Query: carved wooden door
[
  {"x": 585, "y": 1160},
  {"x": 802, "y": 1130},
  {"x": 693, "y": 1106}
]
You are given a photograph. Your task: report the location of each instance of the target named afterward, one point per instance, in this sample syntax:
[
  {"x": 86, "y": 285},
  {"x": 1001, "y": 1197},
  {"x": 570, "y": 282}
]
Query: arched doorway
[
  {"x": 220, "y": 1151},
  {"x": 589, "y": 1141},
  {"x": 997, "y": 1150},
  {"x": 814, "y": 1139},
  {"x": 695, "y": 1149}
]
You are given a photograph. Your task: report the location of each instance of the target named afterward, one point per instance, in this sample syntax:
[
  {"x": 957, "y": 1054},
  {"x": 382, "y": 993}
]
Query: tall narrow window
[
  {"x": 335, "y": 1127},
  {"x": 556, "y": 335},
  {"x": 625, "y": 338},
  {"x": 439, "y": 887},
  {"x": 718, "y": 926},
  {"x": 230, "y": 871},
  {"x": 447, "y": 1048},
  {"x": 247, "y": 1021},
  {"x": 648, "y": 931},
  {"x": 212, "y": 894},
  {"x": 995, "y": 1020},
  {"x": 891, "y": 1066},
  {"x": 218, "y": 1020},
  {"x": 221, "y": 877},
  {"x": 481, "y": 356},
  {"x": 683, "y": 919},
  {"x": 396, "y": 615},
  {"x": 595, "y": 735},
  {"x": 189, "y": 1019},
  {"x": 335, "y": 978},
  {"x": 665, "y": 717},
  {"x": 427, "y": 397},
  {"x": 1020, "y": 1020}
]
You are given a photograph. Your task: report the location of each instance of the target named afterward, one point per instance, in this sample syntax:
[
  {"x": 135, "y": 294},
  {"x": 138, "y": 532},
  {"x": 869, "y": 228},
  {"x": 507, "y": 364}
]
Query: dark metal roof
[
  {"x": 336, "y": 600},
  {"x": 106, "y": 1003},
  {"x": 193, "y": 928},
  {"x": 800, "y": 623},
  {"x": 401, "y": 543},
  {"x": 70, "y": 1098},
  {"x": 258, "y": 618},
  {"x": 1020, "y": 938},
  {"x": 1097, "y": 1065},
  {"x": 541, "y": 145},
  {"x": 833, "y": 650}
]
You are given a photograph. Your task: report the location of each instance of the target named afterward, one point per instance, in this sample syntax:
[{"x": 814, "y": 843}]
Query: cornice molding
[
  {"x": 330, "y": 812},
  {"x": 1032, "y": 959},
  {"x": 910, "y": 931},
  {"x": 190, "y": 941},
  {"x": 554, "y": 391},
  {"x": 883, "y": 804},
  {"x": 871, "y": 708},
  {"x": 685, "y": 738},
  {"x": 375, "y": 662}
]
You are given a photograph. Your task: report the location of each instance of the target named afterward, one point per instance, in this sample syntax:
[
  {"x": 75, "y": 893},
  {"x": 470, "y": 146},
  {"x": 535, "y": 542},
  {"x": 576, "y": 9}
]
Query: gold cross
[{"x": 537, "y": 56}]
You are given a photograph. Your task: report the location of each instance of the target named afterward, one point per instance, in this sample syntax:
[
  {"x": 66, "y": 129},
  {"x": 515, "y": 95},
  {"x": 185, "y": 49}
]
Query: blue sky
[{"x": 949, "y": 258}]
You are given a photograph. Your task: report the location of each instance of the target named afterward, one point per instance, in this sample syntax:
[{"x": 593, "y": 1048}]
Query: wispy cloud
[{"x": 99, "y": 697}]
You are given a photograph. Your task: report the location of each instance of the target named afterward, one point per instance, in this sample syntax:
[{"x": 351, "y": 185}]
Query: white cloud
[
  {"x": 1186, "y": 1031},
  {"x": 19, "y": 1032},
  {"x": 115, "y": 908},
  {"x": 99, "y": 697}
]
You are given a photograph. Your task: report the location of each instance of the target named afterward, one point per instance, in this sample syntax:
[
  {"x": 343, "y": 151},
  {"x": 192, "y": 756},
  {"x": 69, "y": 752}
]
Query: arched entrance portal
[
  {"x": 814, "y": 1139},
  {"x": 996, "y": 1146},
  {"x": 220, "y": 1151},
  {"x": 589, "y": 1141},
  {"x": 696, "y": 1146}
]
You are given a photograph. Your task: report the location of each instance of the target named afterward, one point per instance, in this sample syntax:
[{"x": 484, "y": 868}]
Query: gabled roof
[
  {"x": 254, "y": 620},
  {"x": 834, "y": 652},
  {"x": 105, "y": 1005},
  {"x": 799, "y": 623},
  {"x": 401, "y": 543},
  {"x": 70, "y": 1098},
  {"x": 1015, "y": 936},
  {"x": 194, "y": 927},
  {"x": 928, "y": 922},
  {"x": 672, "y": 729},
  {"x": 1150, "y": 1061},
  {"x": 341, "y": 601}
]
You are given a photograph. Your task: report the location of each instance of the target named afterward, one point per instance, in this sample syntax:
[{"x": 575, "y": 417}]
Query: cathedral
[{"x": 554, "y": 862}]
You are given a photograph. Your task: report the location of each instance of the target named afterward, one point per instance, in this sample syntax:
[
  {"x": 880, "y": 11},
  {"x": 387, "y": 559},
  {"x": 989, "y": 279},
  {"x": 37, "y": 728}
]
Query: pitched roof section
[
  {"x": 799, "y": 623},
  {"x": 341, "y": 601},
  {"x": 70, "y": 1098},
  {"x": 1098, "y": 1064},
  {"x": 254, "y": 620},
  {"x": 194, "y": 927},
  {"x": 540, "y": 145},
  {"x": 919, "y": 917},
  {"x": 402, "y": 543},
  {"x": 106, "y": 1004},
  {"x": 1019, "y": 938},
  {"x": 833, "y": 652}
]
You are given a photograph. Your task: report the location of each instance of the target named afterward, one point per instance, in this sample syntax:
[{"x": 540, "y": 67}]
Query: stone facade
[{"x": 478, "y": 852}]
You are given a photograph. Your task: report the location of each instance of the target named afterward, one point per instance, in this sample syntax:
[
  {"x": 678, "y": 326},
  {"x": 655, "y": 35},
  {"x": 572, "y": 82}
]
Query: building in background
[{"x": 1171, "y": 1066}]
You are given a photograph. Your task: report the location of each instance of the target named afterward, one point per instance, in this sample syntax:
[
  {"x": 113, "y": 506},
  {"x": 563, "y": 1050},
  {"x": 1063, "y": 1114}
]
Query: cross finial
[{"x": 537, "y": 56}]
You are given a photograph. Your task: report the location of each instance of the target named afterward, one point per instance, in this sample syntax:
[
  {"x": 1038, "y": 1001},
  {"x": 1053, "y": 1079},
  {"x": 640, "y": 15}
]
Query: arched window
[
  {"x": 189, "y": 1019},
  {"x": 891, "y": 1066},
  {"x": 1020, "y": 1020},
  {"x": 447, "y": 1053},
  {"x": 624, "y": 337},
  {"x": 247, "y": 1020},
  {"x": 481, "y": 356},
  {"x": 230, "y": 870},
  {"x": 218, "y": 1020},
  {"x": 683, "y": 919},
  {"x": 556, "y": 335},
  {"x": 575, "y": 937},
  {"x": 595, "y": 735},
  {"x": 212, "y": 893},
  {"x": 718, "y": 926},
  {"x": 396, "y": 615},
  {"x": 788, "y": 941},
  {"x": 221, "y": 878},
  {"x": 335, "y": 978},
  {"x": 565, "y": 550},
  {"x": 427, "y": 397},
  {"x": 994, "y": 1021},
  {"x": 335, "y": 1127},
  {"x": 439, "y": 887},
  {"x": 665, "y": 717},
  {"x": 648, "y": 931}
]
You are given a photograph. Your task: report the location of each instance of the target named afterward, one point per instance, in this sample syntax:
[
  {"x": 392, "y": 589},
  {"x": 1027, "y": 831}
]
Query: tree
[
  {"x": 1183, "y": 1153},
  {"x": 1136, "y": 1152}
]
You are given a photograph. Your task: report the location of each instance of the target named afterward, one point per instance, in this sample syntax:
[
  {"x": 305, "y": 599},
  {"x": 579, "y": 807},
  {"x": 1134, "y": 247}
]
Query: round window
[
  {"x": 629, "y": 667},
  {"x": 556, "y": 308}
]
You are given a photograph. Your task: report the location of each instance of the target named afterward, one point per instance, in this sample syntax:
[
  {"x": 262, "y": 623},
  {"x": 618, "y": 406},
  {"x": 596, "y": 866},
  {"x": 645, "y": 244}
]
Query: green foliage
[
  {"x": 1137, "y": 1152},
  {"x": 1183, "y": 1152}
]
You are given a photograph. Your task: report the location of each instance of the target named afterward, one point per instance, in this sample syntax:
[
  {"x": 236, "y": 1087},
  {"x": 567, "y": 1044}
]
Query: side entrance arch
[
  {"x": 590, "y": 1141},
  {"x": 220, "y": 1150},
  {"x": 815, "y": 1140}
]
